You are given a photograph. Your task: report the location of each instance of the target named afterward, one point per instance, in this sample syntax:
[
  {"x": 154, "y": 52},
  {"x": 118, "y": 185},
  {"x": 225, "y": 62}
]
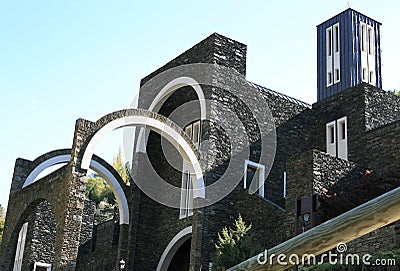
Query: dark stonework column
[{"x": 68, "y": 232}]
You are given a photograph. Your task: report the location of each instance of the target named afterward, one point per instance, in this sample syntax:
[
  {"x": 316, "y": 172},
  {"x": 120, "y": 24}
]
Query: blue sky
[{"x": 62, "y": 60}]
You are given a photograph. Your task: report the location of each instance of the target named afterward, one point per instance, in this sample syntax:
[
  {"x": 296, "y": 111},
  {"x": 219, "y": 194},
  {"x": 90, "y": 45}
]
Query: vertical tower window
[
  {"x": 337, "y": 75},
  {"x": 363, "y": 38},
  {"x": 370, "y": 40},
  {"x": 364, "y": 75},
  {"x": 332, "y": 55},
  {"x": 371, "y": 77},
  {"x": 336, "y": 37},
  {"x": 330, "y": 78},
  {"x": 329, "y": 40}
]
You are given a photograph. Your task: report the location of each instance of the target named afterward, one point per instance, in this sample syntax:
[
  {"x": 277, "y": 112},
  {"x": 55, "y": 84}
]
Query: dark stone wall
[
  {"x": 333, "y": 174},
  {"x": 100, "y": 252},
  {"x": 350, "y": 103},
  {"x": 381, "y": 240},
  {"x": 215, "y": 49},
  {"x": 383, "y": 148},
  {"x": 381, "y": 107}
]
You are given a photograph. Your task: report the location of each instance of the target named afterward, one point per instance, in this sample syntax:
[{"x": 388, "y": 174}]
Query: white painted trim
[
  {"x": 40, "y": 264},
  {"x": 331, "y": 146},
  {"x": 261, "y": 176},
  {"x": 284, "y": 183},
  {"x": 19, "y": 253},
  {"x": 169, "y": 133},
  {"x": 163, "y": 95},
  {"x": 173, "y": 247},
  {"x": 342, "y": 142},
  {"x": 59, "y": 159},
  {"x": 175, "y": 84},
  {"x": 96, "y": 166}
]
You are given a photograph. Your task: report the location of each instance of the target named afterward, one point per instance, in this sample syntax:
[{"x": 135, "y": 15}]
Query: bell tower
[{"x": 349, "y": 53}]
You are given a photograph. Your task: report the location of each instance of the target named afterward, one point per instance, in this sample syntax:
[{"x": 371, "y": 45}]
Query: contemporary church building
[{"x": 211, "y": 145}]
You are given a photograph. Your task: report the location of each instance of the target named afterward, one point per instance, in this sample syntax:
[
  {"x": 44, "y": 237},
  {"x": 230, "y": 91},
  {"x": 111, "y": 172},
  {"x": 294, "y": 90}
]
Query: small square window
[
  {"x": 364, "y": 75},
  {"x": 343, "y": 130},
  {"x": 337, "y": 75},
  {"x": 330, "y": 78}
]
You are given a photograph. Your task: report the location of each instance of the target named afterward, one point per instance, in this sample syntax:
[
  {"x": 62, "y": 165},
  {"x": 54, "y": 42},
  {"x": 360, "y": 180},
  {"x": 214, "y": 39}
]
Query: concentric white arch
[
  {"x": 168, "y": 132},
  {"x": 94, "y": 165},
  {"x": 163, "y": 95}
]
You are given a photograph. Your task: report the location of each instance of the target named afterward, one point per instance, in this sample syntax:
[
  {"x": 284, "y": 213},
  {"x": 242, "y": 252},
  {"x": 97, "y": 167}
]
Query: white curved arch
[
  {"x": 159, "y": 127},
  {"x": 59, "y": 159},
  {"x": 96, "y": 166},
  {"x": 164, "y": 94},
  {"x": 173, "y": 247},
  {"x": 170, "y": 88}
]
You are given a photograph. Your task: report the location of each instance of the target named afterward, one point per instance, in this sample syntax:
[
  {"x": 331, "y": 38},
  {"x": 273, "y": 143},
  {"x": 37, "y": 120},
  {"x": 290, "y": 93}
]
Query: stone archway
[
  {"x": 97, "y": 164},
  {"x": 180, "y": 239}
]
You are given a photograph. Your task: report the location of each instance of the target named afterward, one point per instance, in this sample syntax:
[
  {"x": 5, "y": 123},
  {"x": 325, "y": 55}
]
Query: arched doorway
[
  {"x": 181, "y": 260},
  {"x": 176, "y": 256}
]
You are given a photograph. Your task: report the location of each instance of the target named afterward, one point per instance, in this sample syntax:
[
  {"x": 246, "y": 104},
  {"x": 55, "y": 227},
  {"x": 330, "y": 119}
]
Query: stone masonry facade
[{"x": 66, "y": 233}]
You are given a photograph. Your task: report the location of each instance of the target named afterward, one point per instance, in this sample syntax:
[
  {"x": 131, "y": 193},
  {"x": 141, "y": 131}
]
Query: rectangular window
[
  {"x": 196, "y": 133},
  {"x": 342, "y": 138},
  {"x": 39, "y": 266},
  {"x": 337, "y": 75},
  {"x": 371, "y": 77},
  {"x": 19, "y": 254},
  {"x": 336, "y": 37},
  {"x": 343, "y": 130},
  {"x": 331, "y": 138},
  {"x": 370, "y": 40},
  {"x": 254, "y": 177},
  {"x": 186, "y": 206},
  {"x": 363, "y": 38},
  {"x": 330, "y": 79},
  {"x": 332, "y": 134},
  {"x": 329, "y": 41},
  {"x": 364, "y": 75}
]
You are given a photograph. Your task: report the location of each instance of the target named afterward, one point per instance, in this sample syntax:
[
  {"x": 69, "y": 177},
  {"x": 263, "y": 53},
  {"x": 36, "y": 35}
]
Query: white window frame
[
  {"x": 40, "y": 264},
  {"x": 336, "y": 145},
  {"x": 363, "y": 34},
  {"x": 193, "y": 130},
  {"x": 186, "y": 206},
  {"x": 284, "y": 184},
  {"x": 19, "y": 254},
  {"x": 260, "y": 169},
  {"x": 331, "y": 138},
  {"x": 371, "y": 40},
  {"x": 342, "y": 142},
  {"x": 336, "y": 53},
  {"x": 329, "y": 56}
]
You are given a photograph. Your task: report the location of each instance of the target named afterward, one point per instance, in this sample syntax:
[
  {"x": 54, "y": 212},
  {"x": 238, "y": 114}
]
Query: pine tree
[{"x": 235, "y": 245}]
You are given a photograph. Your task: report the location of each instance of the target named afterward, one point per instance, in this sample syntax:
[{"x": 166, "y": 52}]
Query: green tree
[
  {"x": 2, "y": 212},
  {"x": 121, "y": 168},
  {"x": 94, "y": 188},
  {"x": 395, "y": 92},
  {"x": 1, "y": 229},
  {"x": 235, "y": 245}
]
